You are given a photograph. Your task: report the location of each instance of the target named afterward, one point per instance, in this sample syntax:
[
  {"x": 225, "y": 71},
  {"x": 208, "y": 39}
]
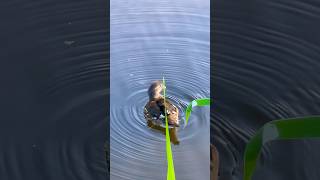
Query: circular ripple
[{"x": 163, "y": 38}]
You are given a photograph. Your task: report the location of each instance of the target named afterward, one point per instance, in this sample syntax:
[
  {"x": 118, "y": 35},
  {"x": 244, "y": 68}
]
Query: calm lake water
[
  {"x": 151, "y": 39},
  {"x": 53, "y": 95},
  {"x": 265, "y": 67},
  {"x": 54, "y": 91}
]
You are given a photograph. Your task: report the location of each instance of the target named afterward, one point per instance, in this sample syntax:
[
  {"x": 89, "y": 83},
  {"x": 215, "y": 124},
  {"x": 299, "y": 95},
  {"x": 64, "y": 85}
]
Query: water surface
[
  {"x": 53, "y": 93},
  {"x": 265, "y": 67},
  {"x": 150, "y": 39}
]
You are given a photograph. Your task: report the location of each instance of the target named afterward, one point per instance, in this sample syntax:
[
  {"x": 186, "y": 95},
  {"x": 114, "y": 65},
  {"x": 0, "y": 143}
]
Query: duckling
[{"x": 154, "y": 110}]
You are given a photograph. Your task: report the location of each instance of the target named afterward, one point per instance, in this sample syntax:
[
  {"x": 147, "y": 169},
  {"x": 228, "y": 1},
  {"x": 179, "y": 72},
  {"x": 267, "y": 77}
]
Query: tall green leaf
[{"x": 170, "y": 170}]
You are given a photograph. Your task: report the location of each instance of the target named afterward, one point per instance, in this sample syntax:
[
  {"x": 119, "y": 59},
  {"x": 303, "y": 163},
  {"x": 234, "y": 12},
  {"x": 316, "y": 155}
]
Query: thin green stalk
[{"x": 170, "y": 170}]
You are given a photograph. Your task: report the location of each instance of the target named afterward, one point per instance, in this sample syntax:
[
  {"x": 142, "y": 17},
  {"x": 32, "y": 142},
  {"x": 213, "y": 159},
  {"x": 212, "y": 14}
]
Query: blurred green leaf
[{"x": 296, "y": 128}]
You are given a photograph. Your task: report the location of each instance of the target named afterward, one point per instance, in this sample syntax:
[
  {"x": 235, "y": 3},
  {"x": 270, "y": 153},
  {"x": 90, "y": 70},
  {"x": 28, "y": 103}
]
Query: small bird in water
[
  {"x": 154, "y": 112},
  {"x": 157, "y": 105}
]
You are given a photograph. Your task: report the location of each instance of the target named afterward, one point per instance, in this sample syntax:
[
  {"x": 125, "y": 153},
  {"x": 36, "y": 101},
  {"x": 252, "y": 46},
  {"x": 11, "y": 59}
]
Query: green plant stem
[{"x": 170, "y": 170}]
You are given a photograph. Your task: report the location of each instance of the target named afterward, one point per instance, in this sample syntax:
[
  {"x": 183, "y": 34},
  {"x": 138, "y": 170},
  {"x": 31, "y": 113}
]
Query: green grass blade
[
  {"x": 170, "y": 170},
  {"x": 196, "y": 102},
  {"x": 297, "y": 128}
]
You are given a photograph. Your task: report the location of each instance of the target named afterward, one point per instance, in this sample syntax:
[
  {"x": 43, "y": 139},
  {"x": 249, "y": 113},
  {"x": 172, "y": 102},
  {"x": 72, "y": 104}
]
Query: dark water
[
  {"x": 150, "y": 39},
  {"x": 53, "y": 74},
  {"x": 54, "y": 69},
  {"x": 265, "y": 67}
]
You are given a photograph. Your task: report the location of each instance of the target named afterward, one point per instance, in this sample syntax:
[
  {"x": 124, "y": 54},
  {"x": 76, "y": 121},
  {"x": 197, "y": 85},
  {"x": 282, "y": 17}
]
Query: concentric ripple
[
  {"x": 150, "y": 40},
  {"x": 266, "y": 67}
]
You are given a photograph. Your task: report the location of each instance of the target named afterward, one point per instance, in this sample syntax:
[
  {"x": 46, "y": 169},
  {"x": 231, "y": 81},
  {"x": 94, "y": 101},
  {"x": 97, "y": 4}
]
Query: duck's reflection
[
  {"x": 214, "y": 162},
  {"x": 172, "y": 131}
]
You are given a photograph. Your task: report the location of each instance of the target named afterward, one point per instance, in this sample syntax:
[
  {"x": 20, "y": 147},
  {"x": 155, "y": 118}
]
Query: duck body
[
  {"x": 155, "y": 112},
  {"x": 155, "y": 108}
]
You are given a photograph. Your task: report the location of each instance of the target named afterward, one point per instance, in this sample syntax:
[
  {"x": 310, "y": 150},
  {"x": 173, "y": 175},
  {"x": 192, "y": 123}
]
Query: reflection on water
[
  {"x": 149, "y": 40},
  {"x": 172, "y": 131}
]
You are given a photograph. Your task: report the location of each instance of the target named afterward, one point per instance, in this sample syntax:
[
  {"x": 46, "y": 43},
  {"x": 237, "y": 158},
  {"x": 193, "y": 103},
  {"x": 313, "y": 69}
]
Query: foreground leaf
[{"x": 297, "y": 128}]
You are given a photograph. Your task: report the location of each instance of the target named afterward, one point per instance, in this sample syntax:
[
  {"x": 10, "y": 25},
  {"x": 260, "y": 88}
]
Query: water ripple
[
  {"x": 146, "y": 44},
  {"x": 265, "y": 68}
]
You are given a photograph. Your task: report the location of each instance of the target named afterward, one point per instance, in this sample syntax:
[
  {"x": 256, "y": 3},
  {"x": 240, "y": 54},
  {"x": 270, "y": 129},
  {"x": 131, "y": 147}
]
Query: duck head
[{"x": 155, "y": 90}]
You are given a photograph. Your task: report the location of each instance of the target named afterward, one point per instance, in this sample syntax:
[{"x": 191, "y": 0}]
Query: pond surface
[
  {"x": 149, "y": 40},
  {"x": 53, "y": 70},
  {"x": 265, "y": 67},
  {"x": 53, "y": 74}
]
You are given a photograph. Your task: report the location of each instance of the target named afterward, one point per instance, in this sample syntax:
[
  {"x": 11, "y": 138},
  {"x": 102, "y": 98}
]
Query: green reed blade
[
  {"x": 196, "y": 102},
  {"x": 170, "y": 170},
  {"x": 297, "y": 128}
]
